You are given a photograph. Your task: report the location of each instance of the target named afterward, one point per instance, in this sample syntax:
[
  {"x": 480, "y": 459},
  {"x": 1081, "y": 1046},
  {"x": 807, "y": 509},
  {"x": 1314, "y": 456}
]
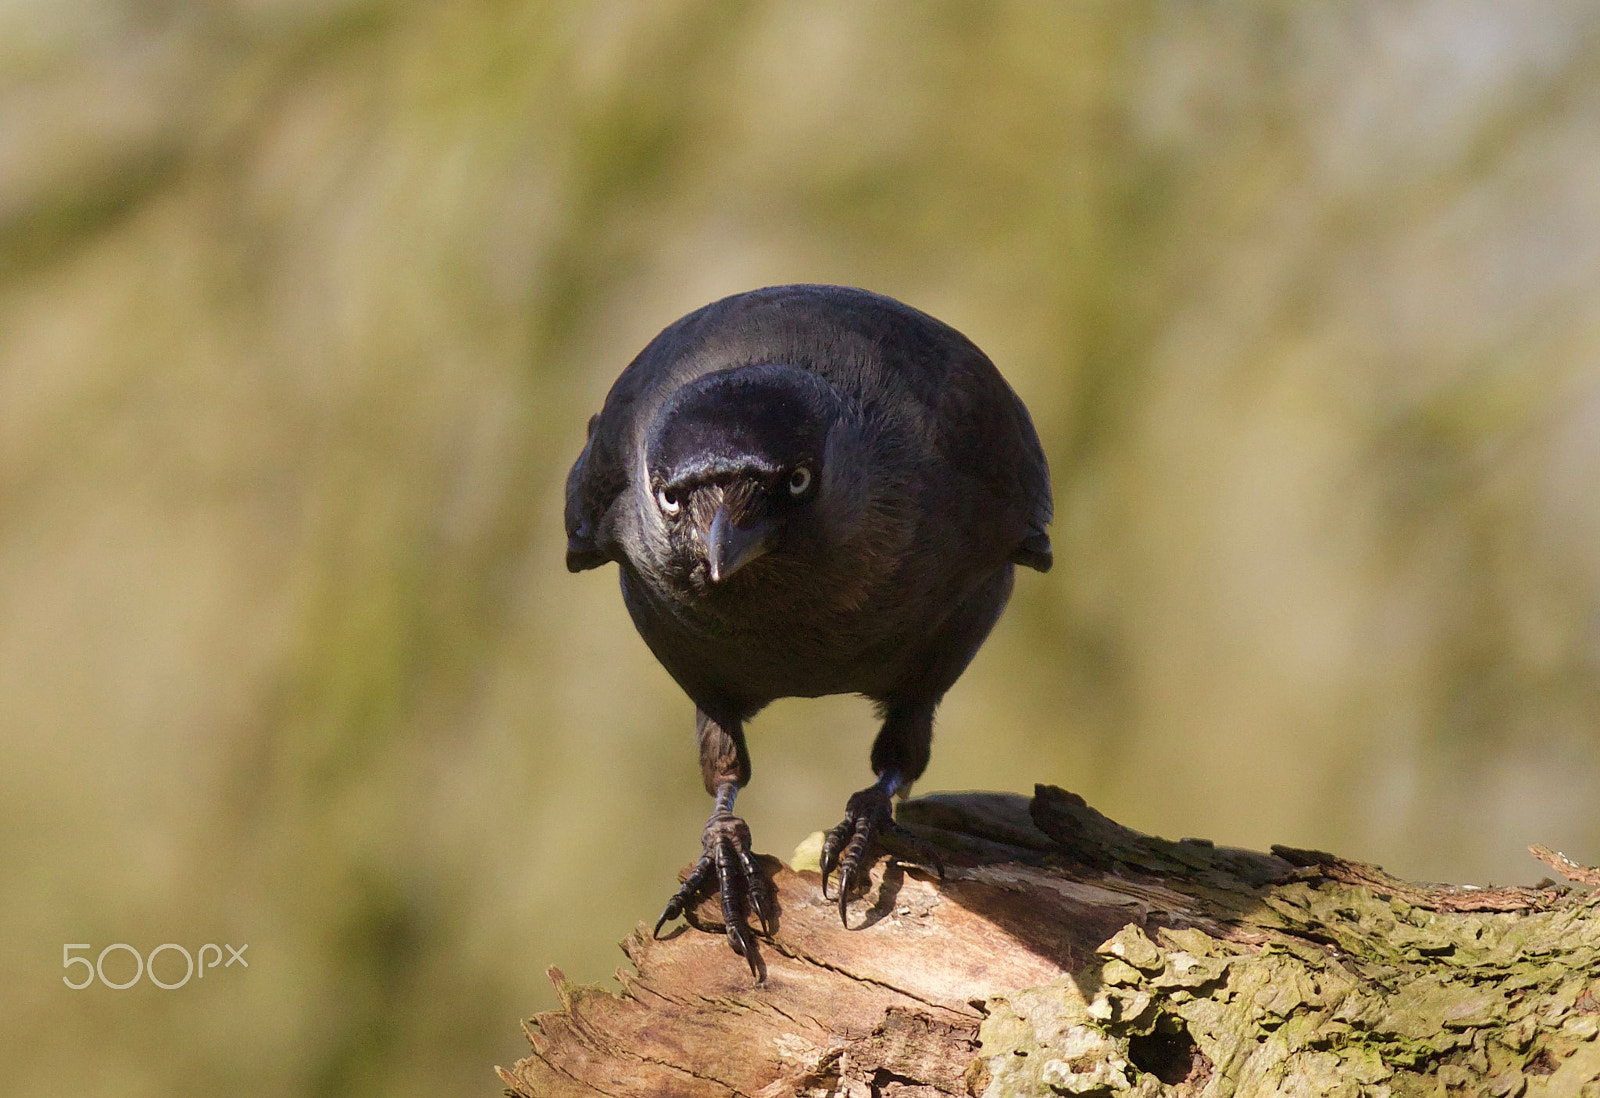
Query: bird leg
[
  {"x": 869, "y": 821},
  {"x": 726, "y": 858}
]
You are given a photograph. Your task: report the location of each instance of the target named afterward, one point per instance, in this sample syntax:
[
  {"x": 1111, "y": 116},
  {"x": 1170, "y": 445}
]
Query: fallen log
[{"x": 1066, "y": 954}]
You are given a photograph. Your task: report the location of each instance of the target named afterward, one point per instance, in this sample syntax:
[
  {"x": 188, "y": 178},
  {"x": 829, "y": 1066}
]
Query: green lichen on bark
[{"x": 1343, "y": 992}]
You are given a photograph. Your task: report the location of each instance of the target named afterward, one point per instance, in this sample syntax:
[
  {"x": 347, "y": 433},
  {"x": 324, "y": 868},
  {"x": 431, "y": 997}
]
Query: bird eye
[
  {"x": 668, "y": 500},
  {"x": 799, "y": 481}
]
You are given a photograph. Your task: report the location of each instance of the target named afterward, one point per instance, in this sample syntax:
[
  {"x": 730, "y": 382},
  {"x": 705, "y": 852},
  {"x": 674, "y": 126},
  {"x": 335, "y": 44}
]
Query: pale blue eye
[
  {"x": 799, "y": 481},
  {"x": 668, "y": 501}
]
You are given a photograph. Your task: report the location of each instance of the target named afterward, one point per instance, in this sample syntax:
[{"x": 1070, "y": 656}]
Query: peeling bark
[{"x": 1065, "y": 954}]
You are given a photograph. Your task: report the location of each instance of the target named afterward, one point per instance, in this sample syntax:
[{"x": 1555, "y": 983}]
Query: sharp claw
[
  {"x": 745, "y": 950},
  {"x": 738, "y": 933},
  {"x": 850, "y": 865},
  {"x": 829, "y": 861},
  {"x": 755, "y": 889},
  {"x": 693, "y": 884}
]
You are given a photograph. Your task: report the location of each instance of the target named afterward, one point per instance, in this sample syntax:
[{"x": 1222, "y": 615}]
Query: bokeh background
[{"x": 303, "y": 307}]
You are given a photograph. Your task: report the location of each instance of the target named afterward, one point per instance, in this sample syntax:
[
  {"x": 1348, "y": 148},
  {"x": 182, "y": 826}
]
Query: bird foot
[
  {"x": 727, "y": 862},
  {"x": 868, "y": 822}
]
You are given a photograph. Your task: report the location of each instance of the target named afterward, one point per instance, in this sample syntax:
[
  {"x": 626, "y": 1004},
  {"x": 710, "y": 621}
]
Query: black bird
[{"x": 810, "y": 490}]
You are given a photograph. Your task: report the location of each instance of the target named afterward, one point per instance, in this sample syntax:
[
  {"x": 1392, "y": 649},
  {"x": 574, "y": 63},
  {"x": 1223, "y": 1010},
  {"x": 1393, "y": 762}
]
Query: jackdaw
[{"x": 809, "y": 490}]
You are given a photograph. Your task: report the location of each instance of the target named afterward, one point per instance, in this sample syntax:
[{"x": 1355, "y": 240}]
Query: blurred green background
[{"x": 303, "y": 307}]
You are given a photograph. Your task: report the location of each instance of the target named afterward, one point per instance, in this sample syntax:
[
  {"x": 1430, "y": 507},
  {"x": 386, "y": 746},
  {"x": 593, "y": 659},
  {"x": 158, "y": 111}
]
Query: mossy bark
[{"x": 1065, "y": 954}]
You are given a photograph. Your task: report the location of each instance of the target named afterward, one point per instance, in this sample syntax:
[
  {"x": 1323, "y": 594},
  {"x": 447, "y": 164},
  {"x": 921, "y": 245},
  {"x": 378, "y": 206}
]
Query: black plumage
[{"x": 809, "y": 490}]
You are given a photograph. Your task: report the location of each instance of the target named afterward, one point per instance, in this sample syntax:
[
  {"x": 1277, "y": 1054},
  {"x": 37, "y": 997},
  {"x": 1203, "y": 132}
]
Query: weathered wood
[{"x": 1067, "y": 954}]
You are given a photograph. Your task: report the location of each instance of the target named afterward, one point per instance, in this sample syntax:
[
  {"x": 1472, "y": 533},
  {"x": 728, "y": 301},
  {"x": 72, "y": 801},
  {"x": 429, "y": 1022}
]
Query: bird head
[{"x": 734, "y": 468}]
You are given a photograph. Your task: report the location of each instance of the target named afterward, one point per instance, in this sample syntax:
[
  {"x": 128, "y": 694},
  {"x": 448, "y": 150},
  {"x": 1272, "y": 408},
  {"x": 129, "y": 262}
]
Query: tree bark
[{"x": 1065, "y": 954}]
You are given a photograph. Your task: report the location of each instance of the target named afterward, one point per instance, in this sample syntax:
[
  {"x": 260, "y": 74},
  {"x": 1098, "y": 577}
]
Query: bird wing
[
  {"x": 591, "y": 491},
  {"x": 975, "y": 422},
  {"x": 984, "y": 432}
]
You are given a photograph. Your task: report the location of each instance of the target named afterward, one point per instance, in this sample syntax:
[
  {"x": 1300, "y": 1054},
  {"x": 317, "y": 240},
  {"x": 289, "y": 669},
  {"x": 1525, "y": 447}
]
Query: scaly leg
[{"x": 726, "y": 856}]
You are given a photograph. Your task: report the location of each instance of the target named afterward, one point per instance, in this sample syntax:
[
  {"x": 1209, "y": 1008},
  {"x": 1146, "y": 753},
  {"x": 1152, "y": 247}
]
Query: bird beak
[{"x": 730, "y": 547}]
